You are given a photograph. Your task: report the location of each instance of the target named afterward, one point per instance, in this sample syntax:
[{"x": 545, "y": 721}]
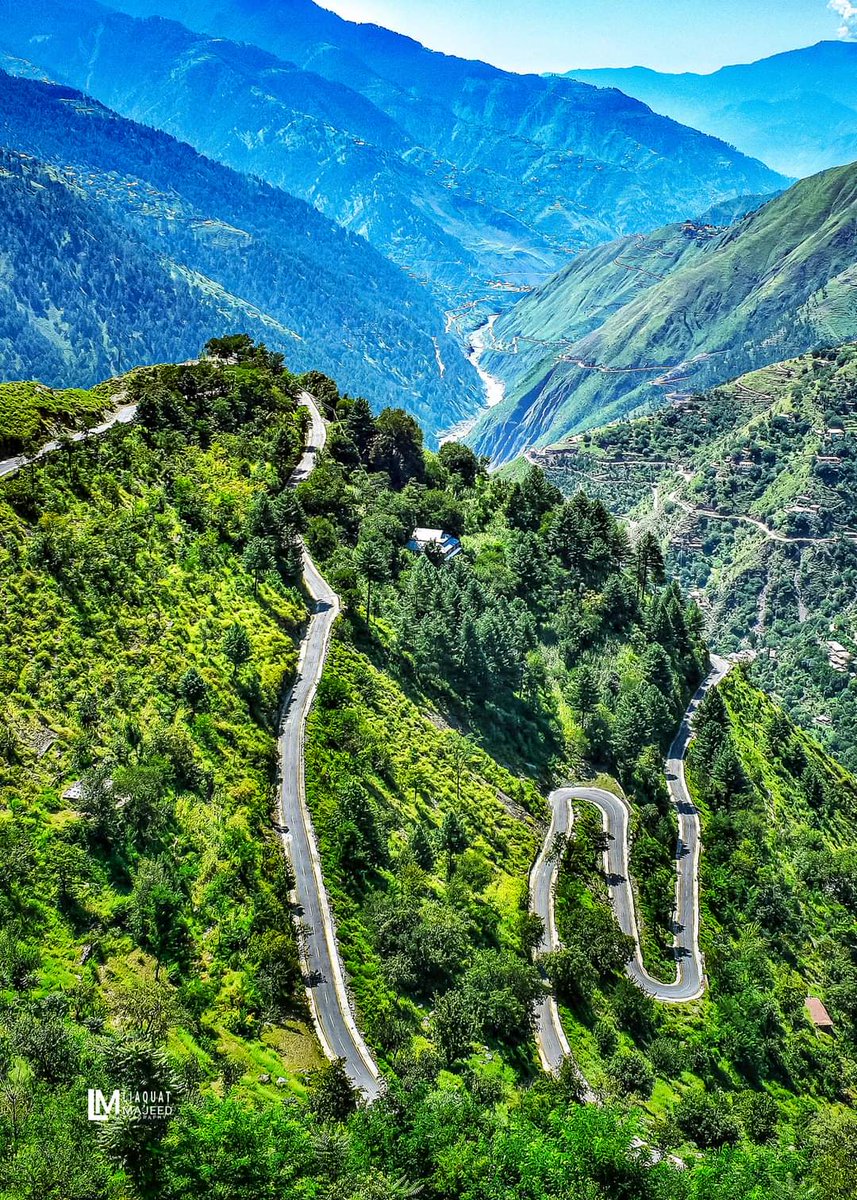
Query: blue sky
[{"x": 556, "y": 35}]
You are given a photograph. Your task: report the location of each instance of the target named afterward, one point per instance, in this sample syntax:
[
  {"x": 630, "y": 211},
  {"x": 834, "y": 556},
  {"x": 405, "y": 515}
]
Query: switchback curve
[{"x": 689, "y": 983}]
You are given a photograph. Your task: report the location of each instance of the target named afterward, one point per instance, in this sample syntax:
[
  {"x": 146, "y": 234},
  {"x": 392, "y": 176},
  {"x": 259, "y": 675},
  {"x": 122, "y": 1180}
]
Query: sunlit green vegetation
[
  {"x": 30, "y": 413},
  {"x": 779, "y": 446},
  {"x": 545, "y": 645},
  {"x": 144, "y": 896},
  {"x": 151, "y": 612},
  {"x": 778, "y": 925}
]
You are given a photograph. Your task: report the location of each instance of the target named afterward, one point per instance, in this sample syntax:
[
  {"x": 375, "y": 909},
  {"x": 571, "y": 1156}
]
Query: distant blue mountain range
[
  {"x": 795, "y": 111},
  {"x": 462, "y": 174}
]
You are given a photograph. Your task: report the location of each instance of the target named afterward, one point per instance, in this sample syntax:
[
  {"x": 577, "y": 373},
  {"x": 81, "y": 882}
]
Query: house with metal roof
[
  {"x": 440, "y": 542},
  {"x": 819, "y": 1015}
]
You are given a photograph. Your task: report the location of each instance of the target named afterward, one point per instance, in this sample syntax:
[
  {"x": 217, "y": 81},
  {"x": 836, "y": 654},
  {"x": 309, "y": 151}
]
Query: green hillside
[
  {"x": 777, "y": 925},
  {"x": 777, "y": 447},
  {"x": 596, "y": 691},
  {"x": 476, "y": 684},
  {"x": 151, "y": 615},
  {"x": 144, "y": 896},
  {"x": 31, "y": 413},
  {"x": 628, "y": 328}
]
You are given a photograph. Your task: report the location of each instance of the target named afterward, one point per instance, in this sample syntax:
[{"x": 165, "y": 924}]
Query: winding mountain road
[
  {"x": 551, "y": 1041},
  {"x": 774, "y": 535},
  {"x": 324, "y": 973},
  {"x": 689, "y": 982},
  {"x": 123, "y": 414}
]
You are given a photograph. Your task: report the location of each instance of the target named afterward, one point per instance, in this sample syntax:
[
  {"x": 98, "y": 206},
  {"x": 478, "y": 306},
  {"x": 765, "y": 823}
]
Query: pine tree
[
  {"x": 193, "y": 689},
  {"x": 372, "y": 559},
  {"x": 453, "y": 837},
  {"x": 360, "y": 426},
  {"x": 648, "y": 563},
  {"x": 236, "y": 646},
  {"x": 421, "y": 848},
  {"x": 258, "y": 558}
]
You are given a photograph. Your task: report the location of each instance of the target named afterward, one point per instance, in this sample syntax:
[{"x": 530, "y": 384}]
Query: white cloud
[{"x": 848, "y": 12}]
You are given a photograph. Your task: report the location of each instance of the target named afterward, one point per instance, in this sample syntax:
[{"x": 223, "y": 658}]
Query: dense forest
[
  {"x": 68, "y": 267},
  {"x": 114, "y": 211},
  {"x": 151, "y": 609}
]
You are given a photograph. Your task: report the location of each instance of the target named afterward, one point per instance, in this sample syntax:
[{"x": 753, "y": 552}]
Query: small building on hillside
[
  {"x": 819, "y": 1015},
  {"x": 441, "y": 543}
]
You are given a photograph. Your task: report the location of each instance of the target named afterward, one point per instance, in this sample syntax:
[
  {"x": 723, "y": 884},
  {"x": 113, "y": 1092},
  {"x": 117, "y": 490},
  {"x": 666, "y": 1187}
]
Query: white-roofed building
[{"x": 442, "y": 543}]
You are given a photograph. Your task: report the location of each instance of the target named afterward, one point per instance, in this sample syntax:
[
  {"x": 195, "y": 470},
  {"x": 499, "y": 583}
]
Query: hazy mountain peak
[{"x": 796, "y": 111}]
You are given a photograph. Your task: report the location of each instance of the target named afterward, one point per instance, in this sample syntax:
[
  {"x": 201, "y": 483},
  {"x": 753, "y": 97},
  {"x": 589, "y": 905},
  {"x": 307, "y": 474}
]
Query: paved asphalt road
[
  {"x": 122, "y": 415},
  {"x": 551, "y": 1041},
  {"x": 690, "y": 976},
  {"x": 325, "y": 976},
  {"x": 324, "y": 973}
]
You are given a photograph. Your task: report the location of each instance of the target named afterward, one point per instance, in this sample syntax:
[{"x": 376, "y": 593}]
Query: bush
[
  {"x": 631, "y": 1073},
  {"x": 706, "y": 1118},
  {"x": 607, "y": 1037},
  {"x": 759, "y": 1115},
  {"x": 635, "y": 1011},
  {"x": 667, "y": 1057},
  {"x": 193, "y": 690}
]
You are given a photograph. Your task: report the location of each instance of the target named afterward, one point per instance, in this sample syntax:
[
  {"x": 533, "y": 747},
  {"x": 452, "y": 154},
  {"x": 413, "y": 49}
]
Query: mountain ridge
[
  {"x": 499, "y": 178},
  {"x": 629, "y": 325},
  {"x": 148, "y": 905},
  {"x": 322, "y": 293},
  {"x": 750, "y": 489},
  {"x": 796, "y": 110}
]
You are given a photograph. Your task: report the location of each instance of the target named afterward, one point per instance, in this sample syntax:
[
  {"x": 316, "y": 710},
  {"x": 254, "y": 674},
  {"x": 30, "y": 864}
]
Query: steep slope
[
  {"x": 146, "y": 909},
  {"x": 752, "y": 489},
  {"x": 155, "y": 892},
  {"x": 79, "y": 295},
  {"x": 418, "y": 847},
  {"x": 795, "y": 111},
  {"x": 317, "y": 139},
  {"x": 778, "y": 820},
  {"x": 537, "y": 642},
  {"x": 464, "y": 174},
  {"x": 321, "y": 294},
  {"x": 627, "y": 326}
]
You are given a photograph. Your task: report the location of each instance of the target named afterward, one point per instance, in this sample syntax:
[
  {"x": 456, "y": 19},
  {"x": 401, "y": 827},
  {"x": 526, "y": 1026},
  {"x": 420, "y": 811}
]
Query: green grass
[
  {"x": 110, "y": 593},
  {"x": 31, "y": 413}
]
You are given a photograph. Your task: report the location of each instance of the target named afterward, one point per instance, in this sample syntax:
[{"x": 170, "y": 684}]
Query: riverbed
[{"x": 479, "y": 341}]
